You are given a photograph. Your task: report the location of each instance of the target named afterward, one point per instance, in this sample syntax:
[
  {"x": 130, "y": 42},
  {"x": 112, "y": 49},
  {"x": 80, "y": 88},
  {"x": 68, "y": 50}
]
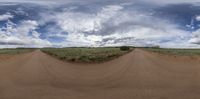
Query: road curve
[{"x": 137, "y": 75}]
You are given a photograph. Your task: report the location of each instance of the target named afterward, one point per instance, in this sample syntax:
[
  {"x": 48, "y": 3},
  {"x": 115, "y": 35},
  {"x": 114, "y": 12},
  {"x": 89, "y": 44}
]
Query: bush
[
  {"x": 62, "y": 57},
  {"x": 84, "y": 58},
  {"x": 73, "y": 59},
  {"x": 124, "y": 48}
]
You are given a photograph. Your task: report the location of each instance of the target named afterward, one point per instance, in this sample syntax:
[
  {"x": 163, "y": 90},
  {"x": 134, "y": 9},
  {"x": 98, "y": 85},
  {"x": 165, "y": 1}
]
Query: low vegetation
[
  {"x": 124, "y": 48},
  {"x": 85, "y": 54},
  {"x": 175, "y": 51},
  {"x": 15, "y": 51}
]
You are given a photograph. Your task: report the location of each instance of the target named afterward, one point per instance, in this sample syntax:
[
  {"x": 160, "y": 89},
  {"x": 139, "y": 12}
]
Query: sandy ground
[{"x": 138, "y": 75}]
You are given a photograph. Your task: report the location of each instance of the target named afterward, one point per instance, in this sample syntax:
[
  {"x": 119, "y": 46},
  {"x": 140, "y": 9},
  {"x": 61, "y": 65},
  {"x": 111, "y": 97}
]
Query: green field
[
  {"x": 187, "y": 52},
  {"x": 15, "y": 51},
  {"x": 85, "y": 54}
]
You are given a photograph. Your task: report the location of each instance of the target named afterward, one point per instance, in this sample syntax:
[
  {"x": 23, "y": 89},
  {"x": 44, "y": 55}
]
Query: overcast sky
[
  {"x": 78, "y": 1},
  {"x": 66, "y": 23}
]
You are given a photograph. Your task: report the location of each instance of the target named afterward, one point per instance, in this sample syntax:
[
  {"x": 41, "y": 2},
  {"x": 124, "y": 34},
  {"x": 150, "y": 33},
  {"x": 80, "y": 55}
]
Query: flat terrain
[
  {"x": 15, "y": 51},
  {"x": 85, "y": 55},
  {"x": 137, "y": 75},
  {"x": 182, "y": 52},
  {"x": 6, "y": 54}
]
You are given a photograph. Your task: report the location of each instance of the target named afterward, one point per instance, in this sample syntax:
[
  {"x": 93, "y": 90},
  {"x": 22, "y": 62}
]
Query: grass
[
  {"x": 185, "y": 52},
  {"x": 14, "y": 51},
  {"x": 86, "y": 55}
]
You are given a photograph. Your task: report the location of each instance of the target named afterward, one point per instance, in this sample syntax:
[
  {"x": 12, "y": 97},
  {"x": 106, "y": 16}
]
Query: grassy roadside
[
  {"x": 85, "y": 55},
  {"x": 15, "y": 51},
  {"x": 184, "y": 52}
]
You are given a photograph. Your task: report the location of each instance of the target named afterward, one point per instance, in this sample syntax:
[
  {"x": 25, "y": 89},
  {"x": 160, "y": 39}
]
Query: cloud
[
  {"x": 20, "y": 11},
  {"x": 22, "y": 34},
  {"x": 150, "y": 2},
  {"x": 195, "y": 39},
  {"x": 114, "y": 25},
  {"x": 168, "y": 2},
  {"x": 6, "y": 16},
  {"x": 25, "y": 27},
  {"x": 95, "y": 24},
  {"x": 82, "y": 27},
  {"x": 14, "y": 2},
  {"x": 81, "y": 22},
  {"x": 198, "y": 18}
]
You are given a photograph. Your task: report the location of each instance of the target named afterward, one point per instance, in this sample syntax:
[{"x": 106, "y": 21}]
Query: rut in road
[{"x": 137, "y": 75}]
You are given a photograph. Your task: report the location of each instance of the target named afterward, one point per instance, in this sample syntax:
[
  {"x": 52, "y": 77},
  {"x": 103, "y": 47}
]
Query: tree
[{"x": 124, "y": 48}]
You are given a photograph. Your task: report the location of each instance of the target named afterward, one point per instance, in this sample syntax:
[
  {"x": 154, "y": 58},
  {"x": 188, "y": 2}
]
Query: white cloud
[
  {"x": 114, "y": 25},
  {"x": 20, "y": 11},
  {"x": 198, "y": 18},
  {"x": 77, "y": 22},
  {"x": 25, "y": 28},
  {"x": 42, "y": 2},
  {"x": 164, "y": 2},
  {"x": 110, "y": 25},
  {"x": 22, "y": 35},
  {"x": 62, "y": 1},
  {"x": 195, "y": 39},
  {"x": 6, "y": 16},
  {"x": 35, "y": 34},
  {"x": 158, "y": 2}
]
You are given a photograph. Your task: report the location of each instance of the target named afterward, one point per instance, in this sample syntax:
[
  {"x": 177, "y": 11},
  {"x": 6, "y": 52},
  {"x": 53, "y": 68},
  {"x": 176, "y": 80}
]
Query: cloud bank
[{"x": 66, "y": 23}]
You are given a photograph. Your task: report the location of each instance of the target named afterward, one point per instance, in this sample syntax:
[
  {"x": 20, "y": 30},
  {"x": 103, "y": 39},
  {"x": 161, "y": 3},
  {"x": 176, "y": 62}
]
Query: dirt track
[{"x": 138, "y": 75}]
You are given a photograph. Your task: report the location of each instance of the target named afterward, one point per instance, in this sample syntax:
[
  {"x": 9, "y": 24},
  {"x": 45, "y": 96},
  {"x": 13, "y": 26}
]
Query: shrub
[
  {"x": 84, "y": 58},
  {"x": 73, "y": 59},
  {"x": 62, "y": 57},
  {"x": 124, "y": 48},
  {"x": 87, "y": 55}
]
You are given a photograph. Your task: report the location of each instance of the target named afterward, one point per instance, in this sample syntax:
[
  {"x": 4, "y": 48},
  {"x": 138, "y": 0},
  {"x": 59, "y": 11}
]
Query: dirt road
[{"x": 138, "y": 75}]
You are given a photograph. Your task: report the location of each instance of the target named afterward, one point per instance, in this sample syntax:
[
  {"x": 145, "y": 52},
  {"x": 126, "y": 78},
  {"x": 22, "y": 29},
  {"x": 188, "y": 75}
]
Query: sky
[{"x": 100, "y": 23}]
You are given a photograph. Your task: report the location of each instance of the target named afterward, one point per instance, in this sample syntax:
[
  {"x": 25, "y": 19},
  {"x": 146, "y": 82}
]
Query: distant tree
[
  {"x": 157, "y": 46},
  {"x": 124, "y": 48}
]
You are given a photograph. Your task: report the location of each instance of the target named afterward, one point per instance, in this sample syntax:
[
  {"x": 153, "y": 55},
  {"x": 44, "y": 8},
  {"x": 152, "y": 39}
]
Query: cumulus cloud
[
  {"x": 195, "y": 34},
  {"x": 83, "y": 27},
  {"x": 80, "y": 22},
  {"x": 6, "y": 16},
  {"x": 69, "y": 1},
  {"x": 148, "y": 2},
  {"x": 114, "y": 25},
  {"x": 22, "y": 34},
  {"x": 170, "y": 1},
  {"x": 198, "y": 18},
  {"x": 20, "y": 11},
  {"x": 96, "y": 24},
  {"x": 195, "y": 39}
]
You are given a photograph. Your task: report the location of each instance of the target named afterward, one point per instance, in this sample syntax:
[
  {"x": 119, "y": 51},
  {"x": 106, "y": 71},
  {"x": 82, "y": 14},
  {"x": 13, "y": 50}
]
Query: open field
[
  {"x": 139, "y": 74},
  {"x": 15, "y": 51},
  {"x": 6, "y": 54},
  {"x": 85, "y": 54},
  {"x": 185, "y": 52}
]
